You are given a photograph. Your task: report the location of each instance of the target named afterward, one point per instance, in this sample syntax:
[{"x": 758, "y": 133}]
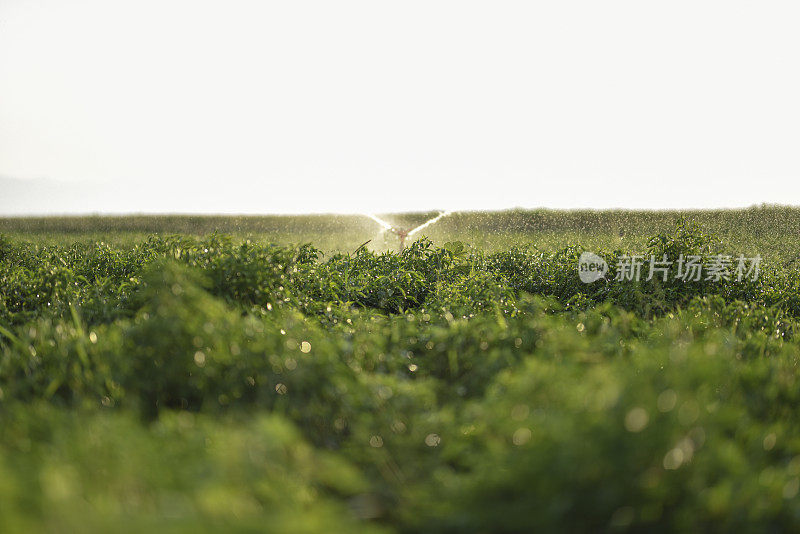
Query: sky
[{"x": 370, "y": 106}]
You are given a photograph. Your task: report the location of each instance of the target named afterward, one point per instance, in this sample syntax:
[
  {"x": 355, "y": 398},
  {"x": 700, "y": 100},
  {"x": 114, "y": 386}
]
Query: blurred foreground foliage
[{"x": 215, "y": 385}]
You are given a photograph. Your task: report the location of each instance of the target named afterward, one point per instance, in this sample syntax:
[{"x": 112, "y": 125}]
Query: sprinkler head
[{"x": 402, "y": 234}]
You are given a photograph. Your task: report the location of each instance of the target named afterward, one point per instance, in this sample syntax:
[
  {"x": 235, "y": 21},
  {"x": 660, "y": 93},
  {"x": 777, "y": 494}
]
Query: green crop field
[{"x": 271, "y": 374}]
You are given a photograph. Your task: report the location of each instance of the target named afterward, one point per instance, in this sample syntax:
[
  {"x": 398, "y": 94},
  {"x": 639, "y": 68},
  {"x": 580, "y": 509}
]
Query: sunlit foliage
[{"x": 218, "y": 384}]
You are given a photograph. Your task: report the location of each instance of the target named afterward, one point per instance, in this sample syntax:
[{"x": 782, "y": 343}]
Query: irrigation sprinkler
[
  {"x": 401, "y": 235},
  {"x": 404, "y": 233}
]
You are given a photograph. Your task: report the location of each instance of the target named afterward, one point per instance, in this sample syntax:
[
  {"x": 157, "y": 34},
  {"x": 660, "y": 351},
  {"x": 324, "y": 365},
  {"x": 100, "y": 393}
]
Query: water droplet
[
  {"x": 667, "y": 400},
  {"x": 636, "y": 419},
  {"x": 521, "y": 436},
  {"x": 673, "y": 459},
  {"x": 432, "y": 440}
]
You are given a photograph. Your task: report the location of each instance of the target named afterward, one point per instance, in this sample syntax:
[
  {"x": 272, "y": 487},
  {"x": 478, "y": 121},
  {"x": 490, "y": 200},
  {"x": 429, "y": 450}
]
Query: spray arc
[{"x": 404, "y": 233}]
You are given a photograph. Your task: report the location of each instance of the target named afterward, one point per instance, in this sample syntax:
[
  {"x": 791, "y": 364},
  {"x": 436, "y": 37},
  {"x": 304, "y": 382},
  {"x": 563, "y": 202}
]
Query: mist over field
[{"x": 41, "y": 196}]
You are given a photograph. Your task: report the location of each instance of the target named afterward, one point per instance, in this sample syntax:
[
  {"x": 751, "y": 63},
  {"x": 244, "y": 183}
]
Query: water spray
[{"x": 404, "y": 233}]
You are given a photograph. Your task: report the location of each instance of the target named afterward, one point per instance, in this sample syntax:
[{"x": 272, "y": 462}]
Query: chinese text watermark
[{"x": 688, "y": 268}]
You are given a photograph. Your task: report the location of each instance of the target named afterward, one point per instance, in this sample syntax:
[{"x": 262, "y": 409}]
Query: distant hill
[{"x": 42, "y": 196}]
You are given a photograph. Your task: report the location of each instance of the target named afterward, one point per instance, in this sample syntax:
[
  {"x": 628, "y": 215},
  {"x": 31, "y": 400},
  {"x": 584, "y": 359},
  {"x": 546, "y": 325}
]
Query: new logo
[{"x": 591, "y": 267}]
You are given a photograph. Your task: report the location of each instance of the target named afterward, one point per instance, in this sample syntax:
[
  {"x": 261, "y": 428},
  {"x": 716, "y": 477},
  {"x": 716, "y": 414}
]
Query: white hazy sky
[{"x": 295, "y": 106}]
